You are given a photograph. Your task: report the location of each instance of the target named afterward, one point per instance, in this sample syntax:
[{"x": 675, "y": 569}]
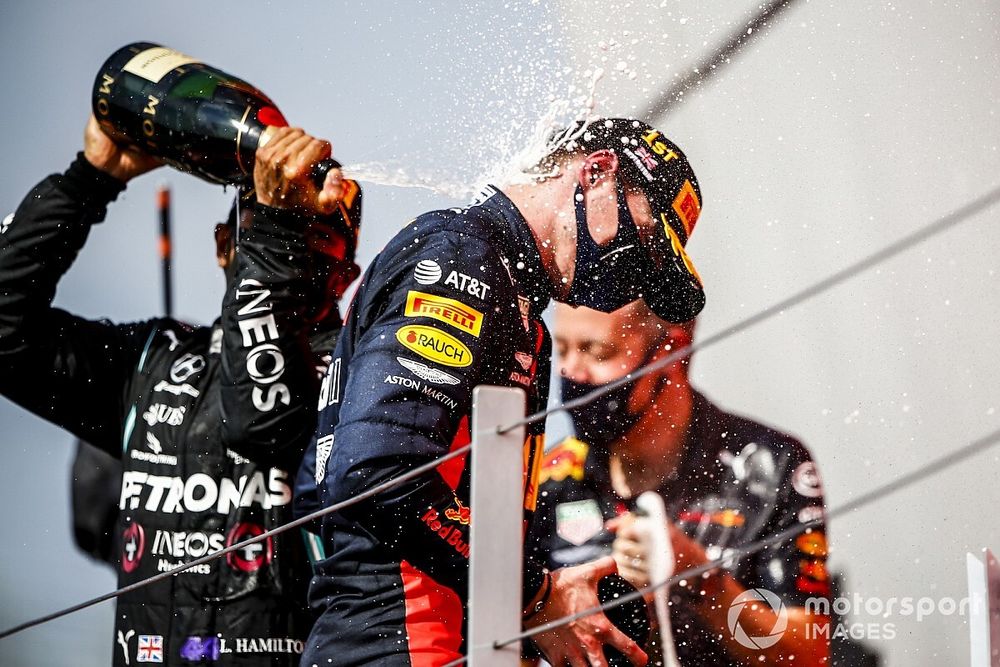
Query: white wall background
[{"x": 841, "y": 129}]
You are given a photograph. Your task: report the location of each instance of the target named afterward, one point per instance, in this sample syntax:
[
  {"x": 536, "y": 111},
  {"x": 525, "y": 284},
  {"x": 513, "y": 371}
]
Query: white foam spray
[{"x": 518, "y": 155}]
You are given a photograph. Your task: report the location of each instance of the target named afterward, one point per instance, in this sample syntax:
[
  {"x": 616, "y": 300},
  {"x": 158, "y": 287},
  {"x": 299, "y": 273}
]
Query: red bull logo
[
  {"x": 566, "y": 460},
  {"x": 462, "y": 515}
]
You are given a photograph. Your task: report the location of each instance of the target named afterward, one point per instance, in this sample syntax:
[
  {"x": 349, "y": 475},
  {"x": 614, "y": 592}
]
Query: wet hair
[{"x": 245, "y": 201}]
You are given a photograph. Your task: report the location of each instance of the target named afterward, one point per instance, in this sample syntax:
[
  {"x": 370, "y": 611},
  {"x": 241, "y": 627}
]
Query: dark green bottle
[{"x": 193, "y": 116}]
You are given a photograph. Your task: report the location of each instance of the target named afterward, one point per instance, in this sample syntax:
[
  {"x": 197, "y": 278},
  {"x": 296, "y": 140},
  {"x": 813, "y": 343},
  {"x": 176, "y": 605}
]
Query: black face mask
[
  {"x": 605, "y": 420},
  {"x": 610, "y": 276}
]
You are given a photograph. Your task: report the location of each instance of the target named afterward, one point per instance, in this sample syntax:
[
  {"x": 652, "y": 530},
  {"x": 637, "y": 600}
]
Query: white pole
[
  {"x": 497, "y": 533},
  {"x": 979, "y": 615},
  {"x": 660, "y": 556}
]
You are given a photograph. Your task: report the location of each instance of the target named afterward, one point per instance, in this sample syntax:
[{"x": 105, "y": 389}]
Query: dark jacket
[
  {"x": 738, "y": 482},
  {"x": 208, "y": 422}
]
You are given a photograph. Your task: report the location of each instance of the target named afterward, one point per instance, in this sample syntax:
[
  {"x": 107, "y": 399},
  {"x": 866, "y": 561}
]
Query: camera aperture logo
[{"x": 756, "y": 597}]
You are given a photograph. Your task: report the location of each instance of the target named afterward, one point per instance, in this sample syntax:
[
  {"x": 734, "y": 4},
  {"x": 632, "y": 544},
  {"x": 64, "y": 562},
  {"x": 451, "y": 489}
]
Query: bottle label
[{"x": 153, "y": 64}]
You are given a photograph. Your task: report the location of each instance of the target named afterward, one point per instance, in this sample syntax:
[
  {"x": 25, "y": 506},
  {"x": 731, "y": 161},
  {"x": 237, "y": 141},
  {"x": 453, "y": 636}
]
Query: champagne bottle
[{"x": 193, "y": 116}]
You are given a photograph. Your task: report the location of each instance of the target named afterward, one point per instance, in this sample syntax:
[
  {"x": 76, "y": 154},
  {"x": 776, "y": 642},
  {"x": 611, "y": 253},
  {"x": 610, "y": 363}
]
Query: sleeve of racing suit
[
  {"x": 538, "y": 541},
  {"x": 306, "y": 500},
  {"x": 796, "y": 569},
  {"x": 66, "y": 369},
  {"x": 392, "y": 419},
  {"x": 268, "y": 383}
]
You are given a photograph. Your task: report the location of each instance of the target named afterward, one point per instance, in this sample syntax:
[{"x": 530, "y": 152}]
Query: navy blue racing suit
[{"x": 452, "y": 302}]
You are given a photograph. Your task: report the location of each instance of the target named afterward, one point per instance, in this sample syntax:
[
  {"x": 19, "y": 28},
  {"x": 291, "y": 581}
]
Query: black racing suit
[
  {"x": 452, "y": 302},
  {"x": 208, "y": 422},
  {"x": 738, "y": 482}
]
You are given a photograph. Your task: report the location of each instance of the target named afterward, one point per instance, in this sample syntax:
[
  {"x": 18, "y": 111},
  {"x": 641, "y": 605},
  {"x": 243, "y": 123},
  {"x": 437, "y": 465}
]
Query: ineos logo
[
  {"x": 755, "y": 597},
  {"x": 274, "y": 367},
  {"x": 264, "y": 362},
  {"x": 186, "y": 366}
]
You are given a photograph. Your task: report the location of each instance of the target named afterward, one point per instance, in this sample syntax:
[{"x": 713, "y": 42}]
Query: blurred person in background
[
  {"x": 726, "y": 481},
  {"x": 206, "y": 420}
]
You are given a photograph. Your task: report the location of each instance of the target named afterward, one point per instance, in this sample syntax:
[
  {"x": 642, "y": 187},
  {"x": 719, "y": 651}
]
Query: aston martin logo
[{"x": 427, "y": 373}]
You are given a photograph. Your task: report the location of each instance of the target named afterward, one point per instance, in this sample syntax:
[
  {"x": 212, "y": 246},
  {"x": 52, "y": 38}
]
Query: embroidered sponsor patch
[
  {"x": 433, "y": 344},
  {"x": 427, "y": 272},
  {"x": 726, "y": 518},
  {"x": 186, "y": 366},
  {"x": 427, "y": 373},
  {"x": 806, "y": 480},
  {"x": 678, "y": 248},
  {"x": 177, "y": 389},
  {"x": 158, "y": 413},
  {"x": 460, "y": 513},
  {"x": 324, "y": 446},
  {"x": 524, "y": 359},
  {"x": 464, "y": 283},
  {"x": 578, "y": 521},
  {"x": 150, "y": 648},
  {"x": 687, "y": 207},
  {"x": 451, "y": 312},
  {"x": 565, "y": 460}
]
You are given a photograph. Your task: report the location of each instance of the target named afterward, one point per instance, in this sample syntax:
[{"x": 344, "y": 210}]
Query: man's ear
[
  {"x": 223, "y": 244},
  {"x": 596, "y": 166},
  {"x": 680, "y": 338}
]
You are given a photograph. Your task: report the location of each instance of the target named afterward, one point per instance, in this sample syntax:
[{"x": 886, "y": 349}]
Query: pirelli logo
[{"x": 443, "y": 309}]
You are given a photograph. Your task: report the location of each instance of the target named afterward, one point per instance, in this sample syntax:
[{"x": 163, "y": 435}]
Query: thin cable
[
  {"x": 710, "y": 65},
  {"x": 928, "y": 231},
  {"x": 379, "y": 488},
  {"x": 924, "y": 472},
  {"x": 934, "y": 228}
]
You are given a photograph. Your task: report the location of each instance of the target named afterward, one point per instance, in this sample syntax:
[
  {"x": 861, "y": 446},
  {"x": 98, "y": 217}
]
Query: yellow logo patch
[
  {"x": 534, "y": 452},
  {"x": 812, "y": 544},
  {"x": 567, "y": 459},
  {"x": 443, "y": 309},
  {"x": 687, "y": 207},
  {"x": 430, "y": 343},
  {"x": 678, "y": 248}
]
